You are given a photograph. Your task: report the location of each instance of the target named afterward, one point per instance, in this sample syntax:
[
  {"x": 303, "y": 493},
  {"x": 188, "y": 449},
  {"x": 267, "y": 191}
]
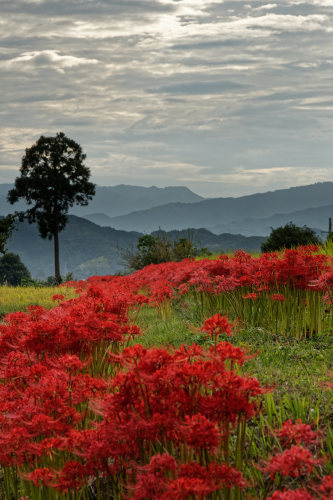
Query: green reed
[{"x": 301, "y": 314}]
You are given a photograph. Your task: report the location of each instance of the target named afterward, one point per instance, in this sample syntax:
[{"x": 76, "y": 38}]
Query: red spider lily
[
  {"x": 300, "y": 494},
  {"x": 76, "y": 406},
  {"x": 58, "y": 297},
  {"x": 157, "y": 480},
  {"x": 326, "y": 487},
  {"x": 296, "y": 433},
  {"x": 278, "y": 297},
  {"x": 250, "y": 295},
  {"x": 294, "y": 462},
  {"x": 199, "y": 432},
  {"x": 217, "y": 325},
  {"x": 40, "y": 476}
]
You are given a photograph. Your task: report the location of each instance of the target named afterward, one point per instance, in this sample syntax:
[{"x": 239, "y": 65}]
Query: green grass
[{"x": 229, "y": 253}]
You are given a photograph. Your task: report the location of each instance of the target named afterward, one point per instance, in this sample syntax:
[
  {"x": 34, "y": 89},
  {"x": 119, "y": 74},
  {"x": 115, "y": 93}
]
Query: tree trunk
[{"x": 56, "y": 257}]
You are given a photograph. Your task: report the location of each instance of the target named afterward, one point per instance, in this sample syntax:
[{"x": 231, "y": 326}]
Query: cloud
[
  {"x": 202, "y": 87},
  {"x": 170, "y": 91},
  {"x": 46, "y": 58},
  {"x": 267, "y": 6}
]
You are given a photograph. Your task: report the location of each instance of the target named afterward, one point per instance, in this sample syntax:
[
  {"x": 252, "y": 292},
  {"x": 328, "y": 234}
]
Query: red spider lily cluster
[
  {"x": 302, "y": 268},
  {"x": 291, "y": 293},
  {"x": 67, "y": 419},
  {"x": 298, "y": 465},
  {"x": 82, "y": 410}
]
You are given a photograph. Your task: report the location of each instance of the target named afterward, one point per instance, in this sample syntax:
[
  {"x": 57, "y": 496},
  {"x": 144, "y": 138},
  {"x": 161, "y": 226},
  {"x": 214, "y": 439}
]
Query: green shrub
[
  {"x": 289, "y": 236},
  {"x": 157, "y": 249}
]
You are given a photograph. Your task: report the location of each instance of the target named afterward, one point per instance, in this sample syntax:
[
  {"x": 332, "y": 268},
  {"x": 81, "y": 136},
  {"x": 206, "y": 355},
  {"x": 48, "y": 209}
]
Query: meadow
[
  {"x": 199, "y": 379},
  {"x": 19, "y": 298}
]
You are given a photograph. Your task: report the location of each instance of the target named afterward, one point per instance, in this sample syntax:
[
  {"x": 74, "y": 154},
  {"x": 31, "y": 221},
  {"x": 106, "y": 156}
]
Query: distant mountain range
[
  {"x": 87, "y": 249},
  {"x": 316, "y": 218},
  {"x": 232, "y": 213},
  {"x": 111, "y": 201},
  {"x": 135, "y": 208}
]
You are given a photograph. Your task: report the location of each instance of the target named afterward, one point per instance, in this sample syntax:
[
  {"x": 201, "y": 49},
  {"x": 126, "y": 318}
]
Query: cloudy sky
[{"x": 227, "y": 97}]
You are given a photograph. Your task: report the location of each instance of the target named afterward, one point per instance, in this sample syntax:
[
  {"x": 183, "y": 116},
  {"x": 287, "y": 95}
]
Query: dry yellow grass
[{"x": 19, "y": 298}]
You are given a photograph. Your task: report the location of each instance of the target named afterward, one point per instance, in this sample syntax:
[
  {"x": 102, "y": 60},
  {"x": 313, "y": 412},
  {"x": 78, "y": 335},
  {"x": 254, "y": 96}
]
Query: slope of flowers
[
  {"x": 85, "y": 415},
  {"x": 289, "y": 293}
]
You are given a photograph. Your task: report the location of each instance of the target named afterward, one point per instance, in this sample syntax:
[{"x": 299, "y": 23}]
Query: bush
[
  {"x": 289, "y": 236},
  {"x": 157, "y": 249},
  {"x": 12, "y": 269}
]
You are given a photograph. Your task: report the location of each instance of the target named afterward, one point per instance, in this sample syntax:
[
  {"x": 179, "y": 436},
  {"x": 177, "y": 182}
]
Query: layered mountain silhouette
[
  {"x": 316, "y": 218},
  {"x": 230, "y": 213},
  {"x": 112, "y": 201}
]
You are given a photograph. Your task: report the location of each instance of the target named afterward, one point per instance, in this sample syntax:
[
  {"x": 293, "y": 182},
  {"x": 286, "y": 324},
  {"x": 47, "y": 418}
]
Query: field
[
  {"x": 200, "y": 379},
  {"x": 18, "y": 298}
]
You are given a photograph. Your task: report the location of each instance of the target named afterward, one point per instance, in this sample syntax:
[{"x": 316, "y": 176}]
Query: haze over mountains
[
  {"x": 316, "y": 218},
  {"x": 232, "y": 214},
  {"x": 136, "y": 208},
  {"x": 118, "y": 200}
]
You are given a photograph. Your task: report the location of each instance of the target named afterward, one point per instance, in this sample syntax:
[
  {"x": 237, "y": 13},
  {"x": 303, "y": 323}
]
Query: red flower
[
  {"x": 216, "y": 325},
  {"x": 201, "y": 432},
  {"x": 58, "y": 297},
  {"x": 291, "y": 495},
  {"x": 278, "y": 297},
  {"x": 252, "y": 296},
  {"x": 296, "y": 432},
  {"x": 41, "y": 477},
  {"x": 326, "y": 487},
  {"x": 294, "y": 462}
]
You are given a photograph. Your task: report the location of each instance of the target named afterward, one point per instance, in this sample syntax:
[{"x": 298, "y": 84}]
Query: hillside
[
  {"x": 87, "y": 249},
  {"x": 116, "y": 200},
  {"x": 218, "y": 211},
  {"x": 80, "y": 242},
  {"x": 313, "y": 217}
]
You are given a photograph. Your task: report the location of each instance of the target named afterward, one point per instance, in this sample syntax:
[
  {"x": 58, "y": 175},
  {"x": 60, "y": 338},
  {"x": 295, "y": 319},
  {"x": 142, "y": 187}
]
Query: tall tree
[{"x": 53, "y": 178}]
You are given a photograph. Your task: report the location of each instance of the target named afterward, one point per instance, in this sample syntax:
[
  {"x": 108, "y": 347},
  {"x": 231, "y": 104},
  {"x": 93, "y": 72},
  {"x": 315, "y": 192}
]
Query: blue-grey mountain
[
  {"x": 111, "y": 201},
  {"x": 213, "y": 212}
]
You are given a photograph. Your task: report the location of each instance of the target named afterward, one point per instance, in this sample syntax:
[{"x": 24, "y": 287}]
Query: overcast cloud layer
[{"x": 226, "y": 97}]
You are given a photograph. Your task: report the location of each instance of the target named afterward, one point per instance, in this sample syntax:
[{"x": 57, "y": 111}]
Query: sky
[{"x": 226, "y": 97}]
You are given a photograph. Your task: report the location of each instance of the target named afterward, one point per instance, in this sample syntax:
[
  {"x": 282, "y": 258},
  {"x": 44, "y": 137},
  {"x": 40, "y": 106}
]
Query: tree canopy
[
  {"x": 53, "y": 177},
  {"x": 157, "y": 249},
  {"x": 12, "y": 269},
  {"x": 289, "y": 236}
]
